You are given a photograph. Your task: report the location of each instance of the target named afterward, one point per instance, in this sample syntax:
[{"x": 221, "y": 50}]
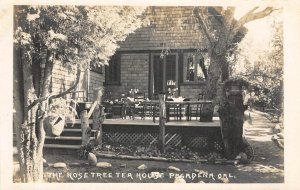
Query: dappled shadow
[
  {"x": 257, "y": 132},
  {"x": 268, "y": 158}
]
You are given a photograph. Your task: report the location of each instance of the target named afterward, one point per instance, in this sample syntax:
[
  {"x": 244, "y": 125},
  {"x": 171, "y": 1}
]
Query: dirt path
[
  {"x": 268, "y": 162},
  {"x": 267, "y": 166}
]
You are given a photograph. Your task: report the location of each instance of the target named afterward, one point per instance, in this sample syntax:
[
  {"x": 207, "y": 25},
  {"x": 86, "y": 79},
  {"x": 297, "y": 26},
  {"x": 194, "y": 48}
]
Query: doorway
[{"x": 163, "y": 70}]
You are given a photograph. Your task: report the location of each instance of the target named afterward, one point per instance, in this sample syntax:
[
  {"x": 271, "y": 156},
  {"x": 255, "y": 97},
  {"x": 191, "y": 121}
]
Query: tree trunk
[
  {"x": 45, "y": 85},
  {"x": 214, "y": 72},
  {"x": 30, "y": 154},
  {"x": 225, "y": 71},
  {"x": 29, "y": 144}
]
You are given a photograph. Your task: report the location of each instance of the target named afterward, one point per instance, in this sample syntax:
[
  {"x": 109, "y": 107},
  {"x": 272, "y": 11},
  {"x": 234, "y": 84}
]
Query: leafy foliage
[
  {"x": 224, "y": 33},
  {"x": 263, "y": 68},
  {"x": 77, "y": 34},
  {"x": 85, "y": 150}
]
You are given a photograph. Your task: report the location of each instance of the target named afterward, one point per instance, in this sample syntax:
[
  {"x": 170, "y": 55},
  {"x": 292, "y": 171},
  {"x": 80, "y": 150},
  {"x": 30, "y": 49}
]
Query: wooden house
[
  {"x": 170, "y": 52},
  {"x": 171, "y": 48}
]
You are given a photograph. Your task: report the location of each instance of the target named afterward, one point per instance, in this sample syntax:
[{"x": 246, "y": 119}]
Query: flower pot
[
  {"x": 54, "y": 125},
  {"x": 206, "y": 115}
]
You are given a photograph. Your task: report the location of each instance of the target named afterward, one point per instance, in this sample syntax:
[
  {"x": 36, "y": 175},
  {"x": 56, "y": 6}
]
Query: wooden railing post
[
  {"x": 86, "y": 131},
  {"x": 98, "y": 116},
  {"x": 162, "y": 122}
]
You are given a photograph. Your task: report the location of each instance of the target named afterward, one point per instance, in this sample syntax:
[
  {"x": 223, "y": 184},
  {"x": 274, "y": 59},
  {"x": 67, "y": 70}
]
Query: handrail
[
  {"x": 93, "y": 106},
  {"x": 97, "y": 112}
]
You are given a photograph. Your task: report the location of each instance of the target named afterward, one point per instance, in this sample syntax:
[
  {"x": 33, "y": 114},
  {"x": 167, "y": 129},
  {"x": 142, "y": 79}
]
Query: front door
[
  {"x": 158, "y": 73},
  {"x": 163, "y": 70}
]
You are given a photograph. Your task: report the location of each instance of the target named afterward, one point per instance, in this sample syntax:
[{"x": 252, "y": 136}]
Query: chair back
[{"x": 201, "y": 96}]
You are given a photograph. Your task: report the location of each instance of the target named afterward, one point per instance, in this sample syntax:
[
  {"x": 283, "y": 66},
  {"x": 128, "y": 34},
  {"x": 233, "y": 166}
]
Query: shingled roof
[{"x": 169, "y": 27}]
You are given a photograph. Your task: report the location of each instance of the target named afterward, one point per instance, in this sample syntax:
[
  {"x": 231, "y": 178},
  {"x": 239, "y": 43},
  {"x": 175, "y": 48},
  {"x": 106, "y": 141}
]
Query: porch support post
[{"x": 162, "y": 122}]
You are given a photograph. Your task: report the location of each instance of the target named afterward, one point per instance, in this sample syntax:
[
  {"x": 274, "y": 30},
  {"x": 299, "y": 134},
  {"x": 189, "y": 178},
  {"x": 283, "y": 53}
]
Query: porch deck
[{"x": 203, "y": 136}]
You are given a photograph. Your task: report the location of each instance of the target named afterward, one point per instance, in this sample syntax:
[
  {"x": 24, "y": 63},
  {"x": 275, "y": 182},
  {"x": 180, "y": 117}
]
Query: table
[{"x": 179, "y": 104}]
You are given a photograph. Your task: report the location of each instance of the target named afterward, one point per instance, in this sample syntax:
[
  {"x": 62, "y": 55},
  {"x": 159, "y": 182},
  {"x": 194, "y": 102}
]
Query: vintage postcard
[{"x": 129, "y": 94}]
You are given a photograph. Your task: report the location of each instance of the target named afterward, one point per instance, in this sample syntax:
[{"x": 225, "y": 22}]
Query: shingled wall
[
  {"x": 96, "y": 80},
  {"x": 62, "y": 80},
  {"x": 134, "y": 74}
]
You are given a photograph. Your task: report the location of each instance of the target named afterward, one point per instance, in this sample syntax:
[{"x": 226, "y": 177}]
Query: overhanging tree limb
[
  {"x": 249, "y": 16},
  {"x": 35, "y": 102},
  {"x": 252, "y": 15}
]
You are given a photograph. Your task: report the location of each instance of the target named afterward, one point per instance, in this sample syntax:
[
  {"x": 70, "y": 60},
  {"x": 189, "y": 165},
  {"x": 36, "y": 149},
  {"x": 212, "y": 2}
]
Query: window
[
  {"x": 195, "y": 67},
  {"x": 113, "y": 71},
  {"x": 190, "y": 69}
]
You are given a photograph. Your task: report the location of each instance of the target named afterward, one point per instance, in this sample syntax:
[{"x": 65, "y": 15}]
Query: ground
[{"x": 267, "y": 166}]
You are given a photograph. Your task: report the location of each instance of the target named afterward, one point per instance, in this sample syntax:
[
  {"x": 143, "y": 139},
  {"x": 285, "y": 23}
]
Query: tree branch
[
  {"x": 202, "y": 24},
  {"x": 218, "y": 13},
  {"x": 36, "y": 101},
  {"x": 251, "y": 15},
  {"x": 229, "y": 16}
]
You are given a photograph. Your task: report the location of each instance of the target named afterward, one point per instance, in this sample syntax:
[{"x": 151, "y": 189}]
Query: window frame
[{"x": 195, "y": 57}]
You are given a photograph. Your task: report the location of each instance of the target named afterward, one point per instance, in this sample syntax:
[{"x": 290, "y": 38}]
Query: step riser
[
  {"x": 75, "y": 126},
  {"x": 61, "y": 149},
  {"x": 64, "y": 142},
  {"x": 73, "y": 133}
]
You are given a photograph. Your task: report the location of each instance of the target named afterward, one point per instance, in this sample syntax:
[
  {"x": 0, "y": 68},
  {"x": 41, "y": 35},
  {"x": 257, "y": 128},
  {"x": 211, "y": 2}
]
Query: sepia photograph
[
  {"x": 143, "y": 93},
  {"x": 157, "y": 94}
]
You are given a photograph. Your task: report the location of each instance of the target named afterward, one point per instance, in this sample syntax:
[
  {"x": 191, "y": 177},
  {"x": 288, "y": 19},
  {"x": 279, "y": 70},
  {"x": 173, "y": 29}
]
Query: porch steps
[{"x": 70, "y": 138}]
